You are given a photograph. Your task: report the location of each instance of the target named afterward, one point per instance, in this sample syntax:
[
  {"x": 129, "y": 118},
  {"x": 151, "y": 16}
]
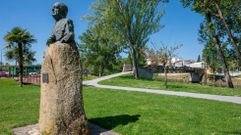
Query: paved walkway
[
  {"x": 34, "y": 130},
  {"x": 231, "y": 99}
]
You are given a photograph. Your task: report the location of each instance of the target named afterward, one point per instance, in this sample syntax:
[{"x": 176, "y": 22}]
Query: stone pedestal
[{"x": 61, "y": 107}]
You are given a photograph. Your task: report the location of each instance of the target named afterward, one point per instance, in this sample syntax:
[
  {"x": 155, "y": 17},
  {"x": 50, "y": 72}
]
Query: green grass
[
  {"x": 18, "y": 106},
  {"x": 89, "y": 77},
  {"x": 129, "y": 81},
  {"x": 130, "y": 113},
  {"x": 150, "y": 114}
]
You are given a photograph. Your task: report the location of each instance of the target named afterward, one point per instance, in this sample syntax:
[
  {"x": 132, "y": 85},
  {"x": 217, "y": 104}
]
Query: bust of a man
[{"x": 63, "y": 30}]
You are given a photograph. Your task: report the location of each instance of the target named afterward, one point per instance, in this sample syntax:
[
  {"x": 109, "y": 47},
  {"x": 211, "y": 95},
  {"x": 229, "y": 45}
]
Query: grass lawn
[
  {"x": 89, "y": 77},
  {"x": 127, "y": 112},
  {"x": 129, "y": 81},
  {"x": 18, "y": 106}
]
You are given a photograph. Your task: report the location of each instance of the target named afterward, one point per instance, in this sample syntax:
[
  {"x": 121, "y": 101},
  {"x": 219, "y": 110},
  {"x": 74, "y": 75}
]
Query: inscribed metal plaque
[{"x": 45, "y": 77}]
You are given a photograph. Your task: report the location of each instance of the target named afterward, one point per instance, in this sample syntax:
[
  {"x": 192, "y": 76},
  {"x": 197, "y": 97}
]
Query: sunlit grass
[
  {"x": 129, "y": 81},
  {"x": 125, "y": 112}
]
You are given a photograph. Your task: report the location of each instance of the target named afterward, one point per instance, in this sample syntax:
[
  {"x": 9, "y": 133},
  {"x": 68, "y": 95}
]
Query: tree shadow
[
  {"x": 114, "y": 121},
  {"x": 133, "y": 78},
  {"x": 127, "y": 77},
  {"x": 176, "y": 86},
  {"x": 232, "y": 132}
]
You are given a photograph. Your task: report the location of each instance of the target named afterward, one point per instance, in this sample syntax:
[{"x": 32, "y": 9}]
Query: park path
[{"x": 231, "y": 99}]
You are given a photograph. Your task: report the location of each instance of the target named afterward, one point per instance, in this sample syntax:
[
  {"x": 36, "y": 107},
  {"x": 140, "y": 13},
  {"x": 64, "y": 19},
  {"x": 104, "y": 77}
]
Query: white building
[{"x": 197, "y": 65}]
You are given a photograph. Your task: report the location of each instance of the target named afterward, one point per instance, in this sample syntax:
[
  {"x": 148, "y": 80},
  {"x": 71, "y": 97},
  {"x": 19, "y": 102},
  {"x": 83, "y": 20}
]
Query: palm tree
[
  {"x": 28, "y": 55},
  {"x": 17, "y": 40}
]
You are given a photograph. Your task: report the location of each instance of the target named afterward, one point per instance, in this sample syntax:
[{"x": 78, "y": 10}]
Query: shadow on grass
[
  {"x": 232, "y": 132},
  {"x": 176, "y": 86},
  {"x": 133, "y": 78},
  {"x": 114, "y": 121},
  {"x": 127, "y": 77}
]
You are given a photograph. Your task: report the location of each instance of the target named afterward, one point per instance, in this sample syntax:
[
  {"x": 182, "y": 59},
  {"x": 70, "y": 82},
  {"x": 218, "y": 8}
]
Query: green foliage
[
  {"x": 226, "y": 19},
  {"x": 219, "y": 20},
  {"x": 233, "y": 60},
  {"x": 210, "y": 56},
  {"x": 129, "y": 21},
  {"x": 126, "y": 60},
  {"x": 199, "y": 58},
  {"x": 18, "y": 42},
  {"x": 28, "y": 55},
  {"x": 136, "y": 20},
  {"x": 210, "y": 52},
  {"x": 99, "y": 53},
  {"x": 18, "y": 35}
]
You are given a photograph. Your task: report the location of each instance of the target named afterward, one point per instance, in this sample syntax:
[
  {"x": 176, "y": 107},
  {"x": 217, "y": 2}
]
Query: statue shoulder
[
  {"x": 68, "y": 21},
  {"x": 69, "y": 24}
]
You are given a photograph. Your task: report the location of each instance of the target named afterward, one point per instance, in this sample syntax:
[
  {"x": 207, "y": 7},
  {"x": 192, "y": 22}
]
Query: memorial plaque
[{"x": 45, "y": 77}]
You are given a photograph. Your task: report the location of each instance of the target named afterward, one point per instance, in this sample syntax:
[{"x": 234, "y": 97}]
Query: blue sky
[{"x": 181, "y": 25}]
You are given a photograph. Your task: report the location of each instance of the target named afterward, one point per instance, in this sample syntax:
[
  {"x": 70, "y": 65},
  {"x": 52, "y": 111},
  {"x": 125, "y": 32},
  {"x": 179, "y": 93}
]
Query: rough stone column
[{"x": 61, "y": 106}]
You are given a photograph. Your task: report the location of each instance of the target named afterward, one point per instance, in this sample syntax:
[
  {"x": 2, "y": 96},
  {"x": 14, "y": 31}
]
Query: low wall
[{"x": 32, "y": 79}]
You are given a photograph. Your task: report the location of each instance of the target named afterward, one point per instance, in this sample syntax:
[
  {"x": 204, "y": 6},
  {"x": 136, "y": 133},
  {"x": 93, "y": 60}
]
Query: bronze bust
[{"x": 63, "y": 30}]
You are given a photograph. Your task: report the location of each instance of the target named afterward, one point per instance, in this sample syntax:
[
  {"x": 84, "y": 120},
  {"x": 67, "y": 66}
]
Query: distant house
[
  {"x": 183, "y": 63},
  {"x": 197, "y": 65},
  {"x": 177, "y": 65},
  {"x": 148, "y": 62}
]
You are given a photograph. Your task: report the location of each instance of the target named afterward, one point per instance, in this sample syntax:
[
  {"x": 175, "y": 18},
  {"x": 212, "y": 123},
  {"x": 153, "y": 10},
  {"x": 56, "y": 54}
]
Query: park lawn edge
[
  {"x": 129, "y": 81},
  {"x": 108, "y": 107}
]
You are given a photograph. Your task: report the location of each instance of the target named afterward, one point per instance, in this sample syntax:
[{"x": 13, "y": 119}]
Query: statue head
[{"x": 59, "y": 11}]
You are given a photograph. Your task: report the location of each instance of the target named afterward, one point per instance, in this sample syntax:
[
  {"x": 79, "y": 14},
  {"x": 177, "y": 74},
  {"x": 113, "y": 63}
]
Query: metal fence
[{"x": 32, "y": 79}]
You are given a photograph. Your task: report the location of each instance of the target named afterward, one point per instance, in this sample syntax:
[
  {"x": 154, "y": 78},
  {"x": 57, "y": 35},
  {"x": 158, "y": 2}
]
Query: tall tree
[
  {"x": 225, "y": 15},
  {"x": 98, "y": 51},
  {"x": 28, "y": 55},
  {"x": 199, "y": 58},
  {"x": 205, "y": 7},
  {"x": 222, "y": 17},
  {"x": 217, "y": 44},
  {"x": 132, "y": 20},
  {"x": 17, "y": 39},
  {"x": 209, "y": 53},
  {"x": 210, "y": 57}
]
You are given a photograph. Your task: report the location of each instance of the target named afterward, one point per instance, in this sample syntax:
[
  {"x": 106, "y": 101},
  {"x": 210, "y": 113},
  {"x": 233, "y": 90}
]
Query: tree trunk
[
  {"x": 101, "y": 70},
  {"x": 205, "y": 74},
  {"x": 225, "y": 65},
  {"x": 165, "y": 72},
  {"x": 214, "y": 77},
  {"x": 134, "y": 62},
  {"x": 20, "y": 64},
  {"x": 230, "y": 35},
  {"x": 220, "y": 52}
]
